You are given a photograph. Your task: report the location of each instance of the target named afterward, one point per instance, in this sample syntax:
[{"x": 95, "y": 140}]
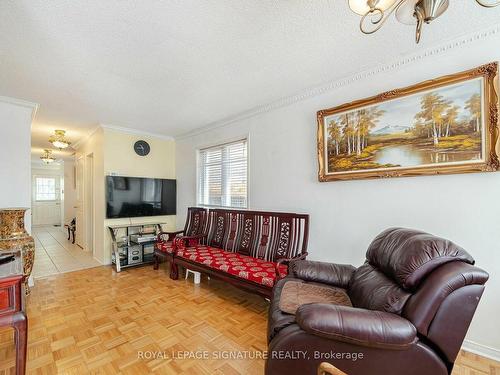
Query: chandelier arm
[
  {"x": 420, "y": 23},
  {"x": 488, "y": 5},
  {"x": 379, "y": 22}
]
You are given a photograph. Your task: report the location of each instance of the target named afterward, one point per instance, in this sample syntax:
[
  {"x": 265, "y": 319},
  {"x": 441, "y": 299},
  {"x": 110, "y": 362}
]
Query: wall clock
[{"x": 142, "y": 148}]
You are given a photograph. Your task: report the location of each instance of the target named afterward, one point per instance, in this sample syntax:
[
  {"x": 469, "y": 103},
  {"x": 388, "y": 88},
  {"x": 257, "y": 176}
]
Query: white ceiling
[{"x": 169, "y": 67}]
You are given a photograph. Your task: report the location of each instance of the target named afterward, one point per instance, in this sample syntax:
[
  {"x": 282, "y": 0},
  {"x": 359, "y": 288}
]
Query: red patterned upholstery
[
  {"x": 223, "y": 243},
  {"x": 245, "y": 267},
  {"x": 165, "y": 247},
  {"x": 177, "y": 243},
  {"x": 196, "y": 222}
]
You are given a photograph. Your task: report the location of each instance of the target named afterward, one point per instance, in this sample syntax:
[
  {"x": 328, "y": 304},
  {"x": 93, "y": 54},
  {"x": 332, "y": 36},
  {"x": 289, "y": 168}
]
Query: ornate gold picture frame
[{"x": 441, "y": 126}]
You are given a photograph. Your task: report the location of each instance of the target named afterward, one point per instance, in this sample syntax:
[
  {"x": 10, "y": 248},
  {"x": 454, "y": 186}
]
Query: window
[
  {"x": 222, "y": 175},
  {"x": 45, "y": 189}
]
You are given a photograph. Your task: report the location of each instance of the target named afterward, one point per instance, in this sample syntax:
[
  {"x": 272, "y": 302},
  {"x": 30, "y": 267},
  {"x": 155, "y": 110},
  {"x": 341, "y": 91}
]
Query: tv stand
[{"x": 125, "y": 253}]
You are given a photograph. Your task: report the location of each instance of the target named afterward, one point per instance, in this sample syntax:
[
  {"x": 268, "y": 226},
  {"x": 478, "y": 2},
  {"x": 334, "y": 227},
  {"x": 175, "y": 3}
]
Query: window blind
[{"x": 223, "y": 175}]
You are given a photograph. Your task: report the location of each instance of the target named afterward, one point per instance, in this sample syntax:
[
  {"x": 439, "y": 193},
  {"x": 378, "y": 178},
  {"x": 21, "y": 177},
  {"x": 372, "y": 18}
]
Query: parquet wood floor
[{"x": 96, "y": 321}]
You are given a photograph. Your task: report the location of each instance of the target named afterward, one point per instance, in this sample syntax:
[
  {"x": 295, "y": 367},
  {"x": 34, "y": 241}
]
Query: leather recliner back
[{"x": 424, "y": 278}]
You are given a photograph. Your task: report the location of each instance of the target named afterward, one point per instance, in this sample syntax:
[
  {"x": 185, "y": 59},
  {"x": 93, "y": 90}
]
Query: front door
[{"x": 46, "y": 200}]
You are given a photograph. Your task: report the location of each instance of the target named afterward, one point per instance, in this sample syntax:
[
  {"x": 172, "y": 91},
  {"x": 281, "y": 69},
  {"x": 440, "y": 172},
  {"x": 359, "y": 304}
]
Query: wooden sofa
[
  {"x": 249, "y": 249},
  {"x": 194, "y": 230}
]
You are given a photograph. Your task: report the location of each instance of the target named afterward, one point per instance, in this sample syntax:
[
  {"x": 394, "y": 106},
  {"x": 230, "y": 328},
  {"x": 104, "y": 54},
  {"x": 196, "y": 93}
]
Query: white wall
[
  {"x": 113, "y": 153},
  {"x": 345, "y": 216},
  {"x": 15, "y": 154},
  {"x": 121, "y": 159}
]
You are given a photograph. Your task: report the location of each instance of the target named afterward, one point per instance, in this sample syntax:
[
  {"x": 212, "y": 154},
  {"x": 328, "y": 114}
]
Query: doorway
[
  {"x": 46, "y": 199},
  {"x": 89, "y": 203},
  {"x": 80, "y": 217},
  {"x": 84, "y": 167}
]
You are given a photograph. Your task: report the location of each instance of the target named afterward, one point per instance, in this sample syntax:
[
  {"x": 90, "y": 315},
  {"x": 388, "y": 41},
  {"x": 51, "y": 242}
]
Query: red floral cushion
[
  {"x": 245, "y": 267},
  {"x": 166, "y": 247},
  {"x": 177, "y": 243}
]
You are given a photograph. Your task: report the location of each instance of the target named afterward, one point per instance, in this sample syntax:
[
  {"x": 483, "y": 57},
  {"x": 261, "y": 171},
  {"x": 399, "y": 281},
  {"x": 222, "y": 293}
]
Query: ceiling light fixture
[
  {"x": 374, "y": 13},
  {"x": 58, "y": 139},
  {"x": 47, "y": 156}
]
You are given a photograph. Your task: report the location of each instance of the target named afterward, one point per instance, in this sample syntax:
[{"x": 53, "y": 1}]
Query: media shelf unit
[{"x": 125, "y": 253}]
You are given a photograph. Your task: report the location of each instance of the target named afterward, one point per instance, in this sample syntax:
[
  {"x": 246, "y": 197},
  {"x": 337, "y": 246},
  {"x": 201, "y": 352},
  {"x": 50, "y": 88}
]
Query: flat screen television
[{"x": 136, "y": 196}]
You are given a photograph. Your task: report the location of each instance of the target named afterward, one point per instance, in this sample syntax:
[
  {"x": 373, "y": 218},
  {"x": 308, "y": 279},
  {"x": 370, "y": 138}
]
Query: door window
[{"x": 45, "y": 189}]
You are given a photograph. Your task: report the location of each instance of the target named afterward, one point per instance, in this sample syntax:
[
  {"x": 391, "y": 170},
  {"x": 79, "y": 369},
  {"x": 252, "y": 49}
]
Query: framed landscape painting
[{"x": 445, "y": 125}]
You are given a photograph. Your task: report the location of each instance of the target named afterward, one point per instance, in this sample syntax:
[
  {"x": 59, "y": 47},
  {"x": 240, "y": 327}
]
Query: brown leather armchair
[{"x": 412, "y": 303}]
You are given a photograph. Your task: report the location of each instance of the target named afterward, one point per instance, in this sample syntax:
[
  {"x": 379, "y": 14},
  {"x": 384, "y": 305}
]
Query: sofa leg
[
  {"x": 156, "y": 262},
  {"x": 174, "y": 271}
]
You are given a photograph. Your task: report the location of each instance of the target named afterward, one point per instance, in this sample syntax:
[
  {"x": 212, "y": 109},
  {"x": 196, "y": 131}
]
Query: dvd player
[{"x": 141, "y": 238}]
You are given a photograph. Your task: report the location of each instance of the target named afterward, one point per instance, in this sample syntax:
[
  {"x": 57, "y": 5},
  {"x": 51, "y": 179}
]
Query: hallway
[{"x": 54, "y": 254}]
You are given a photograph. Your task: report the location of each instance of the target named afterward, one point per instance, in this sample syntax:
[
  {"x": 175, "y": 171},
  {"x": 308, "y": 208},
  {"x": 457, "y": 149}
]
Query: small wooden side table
[{"x": 12, "y": 312}]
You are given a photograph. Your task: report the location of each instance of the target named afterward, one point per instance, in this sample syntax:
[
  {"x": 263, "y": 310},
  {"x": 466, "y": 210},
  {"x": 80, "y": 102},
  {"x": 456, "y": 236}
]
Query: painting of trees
[
  {"x": 438, "y": 115},
  {"x": 473, "y": 105},
  {"x": 443, "y": 123},
  {"x": 335, "y": 134},
  {"x": 348, "y": 132},
  {"x": 433, "y": 109},
  {"x": 439, "y": 127},
  {"x": 450, "y": 118},
  {"x": 366, "y": 121}
]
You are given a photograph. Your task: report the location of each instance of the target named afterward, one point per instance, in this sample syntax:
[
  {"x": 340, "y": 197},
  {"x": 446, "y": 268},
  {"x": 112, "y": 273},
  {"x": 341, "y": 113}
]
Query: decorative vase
[{"x": 13, "y": 235}]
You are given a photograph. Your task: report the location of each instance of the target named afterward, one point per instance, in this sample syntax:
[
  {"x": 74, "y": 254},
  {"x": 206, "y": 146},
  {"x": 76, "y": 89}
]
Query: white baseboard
[{"x": 482, "y": 350}]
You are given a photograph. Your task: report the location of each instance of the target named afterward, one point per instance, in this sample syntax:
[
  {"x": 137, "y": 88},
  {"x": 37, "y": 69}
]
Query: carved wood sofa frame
[
  {"x": 272, "y": 236},
  {"x": 194, "y": 229}
]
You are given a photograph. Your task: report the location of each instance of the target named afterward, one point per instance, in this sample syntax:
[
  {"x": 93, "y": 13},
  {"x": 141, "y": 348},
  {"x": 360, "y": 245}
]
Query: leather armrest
[
  {"x": 277, "y": 319},
  {"x": 287, "y": 261},
  {"x": 357, "y": 326},
  {"x": 333, "y": 274}
]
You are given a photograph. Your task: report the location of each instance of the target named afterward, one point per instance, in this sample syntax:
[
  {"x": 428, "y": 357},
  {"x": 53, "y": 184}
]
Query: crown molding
[
  {"x": 136, "y": 132},
  {"x": 312, "y": 92},
  {"x": 75, "y": 146},
  {"x": 21, "y": 103},
  {"x": 120, "y": 129}
]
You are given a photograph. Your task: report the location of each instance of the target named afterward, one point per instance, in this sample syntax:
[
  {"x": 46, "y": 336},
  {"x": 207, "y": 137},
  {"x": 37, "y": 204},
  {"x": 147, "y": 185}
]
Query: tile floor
[{"x": 54, "y": 254}]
